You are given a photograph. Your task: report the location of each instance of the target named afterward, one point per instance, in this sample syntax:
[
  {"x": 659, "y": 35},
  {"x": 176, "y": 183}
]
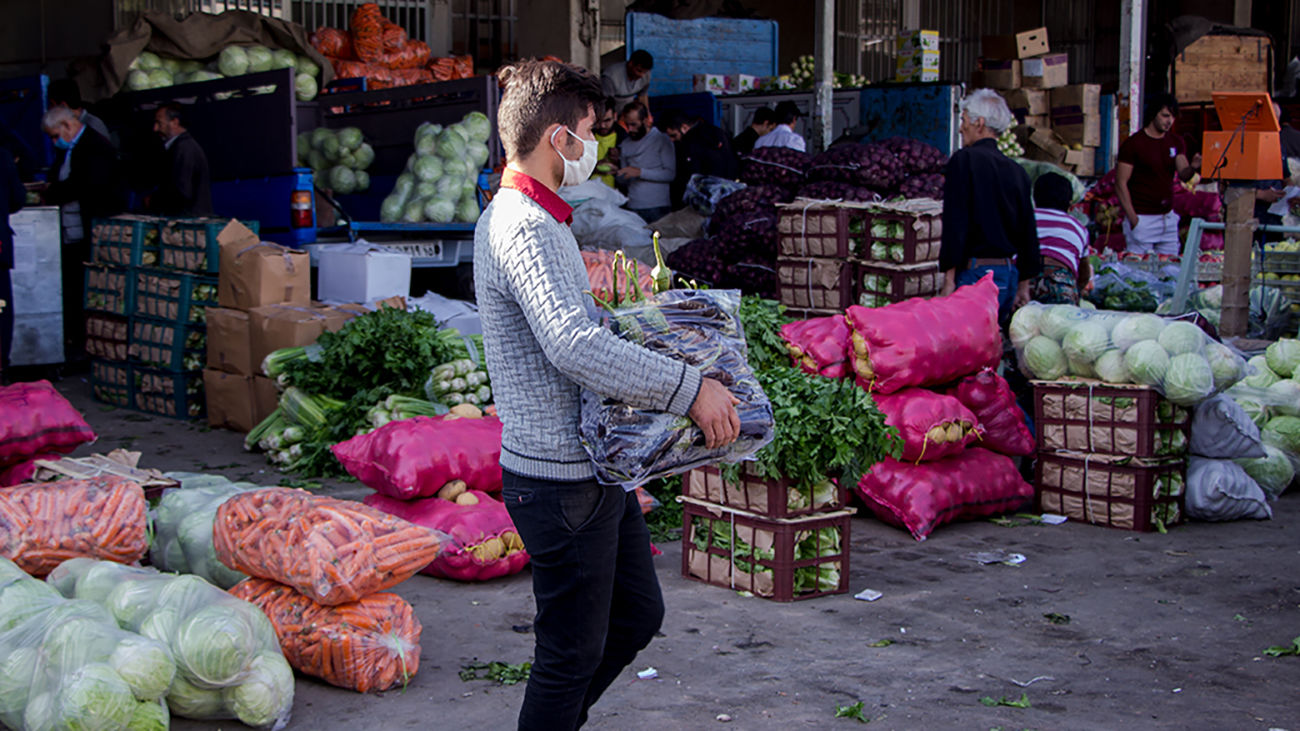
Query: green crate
[
  {"x": 112, "y": 383},
  {"x": 130, "y": 241},
  {"x": 168, "y": 345},
  {"x": 108, "y": 337},
  {"x": 109, "y": 289},
  {"x": 168, "y": 393},
  {"x": 190, "y": 244},
  {"x": 174, "y": 296}
]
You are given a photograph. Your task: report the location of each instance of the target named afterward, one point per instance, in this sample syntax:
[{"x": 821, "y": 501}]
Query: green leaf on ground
[
  {"x": 1280, "y": 650},
  {"x": 502, "y": 673},
  {"x": 1022, "y": 703},
  {"x": 854, "y": 711},
  {"x": 1057, "y": 618},
  {"x": 882, "y": 643}
]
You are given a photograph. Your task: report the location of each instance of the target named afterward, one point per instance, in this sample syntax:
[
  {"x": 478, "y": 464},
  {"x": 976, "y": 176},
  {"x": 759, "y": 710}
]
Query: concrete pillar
[
  {"x": 1239, "y": 226},
  {"x": 1132, "y": 59},
  {"x": 439, "y": 30},
  {"x": 821, "y": 124}
]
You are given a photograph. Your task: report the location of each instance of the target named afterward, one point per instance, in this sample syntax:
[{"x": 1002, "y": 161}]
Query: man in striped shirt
[{"x": 1063, "y": 242}]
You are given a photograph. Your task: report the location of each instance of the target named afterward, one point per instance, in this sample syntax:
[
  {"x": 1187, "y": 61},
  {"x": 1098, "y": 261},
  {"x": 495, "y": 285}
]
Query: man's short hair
[
  {"x": 989, "y": 106},
  {"x": 677, "y": 118},
  {"x": 55, "y": 117},
  {"x": 541, "y": 93},
  {"x": 174, "y": 112},
  {"x": 66, "y": 92},
  {"x": 786, "y": 113},
  {"x": 1054, "y": 191},
  {"x": 1156, "y": 103},
  {"x": 642, "y": 58},
  {"x": 764, "y": 115},
  {"x": 610, "y": 105},
  {"x": 636, "y": 108}
]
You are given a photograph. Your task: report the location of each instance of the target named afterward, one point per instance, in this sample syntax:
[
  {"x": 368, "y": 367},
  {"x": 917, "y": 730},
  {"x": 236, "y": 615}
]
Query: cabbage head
[
  {"x": 342, "y": 180},
  {"x": 99, "y": 580},
  {"x": 1085, "y": 342},
  {"x": 94, "y": 697},
  {"x": 1181, "y": 337},
  {"x": 1147, "y": 361},
  {"x": 146, "y": 665},
  {"x": 9, "y": 571},
  {"x": 137, "y": 80},
  {"x": 364, "y": 155},
  {"x": 79, "y": 641},
  {"x": 1081, "y": 368},
  {"x": 214, "y": 644},
  {"x": 427, "y": 168},
  {"x": 41, "y": 713},
  {"x": 318, "y": 163},
  {"x": 266, "y": 694},
  {"x": 414, "y": 211},
  {"x": 440, "y": 210},
  {"x": 233, "y": 61},
  {"x": 350, "y": 138},
  {"x": 159, "y": 79},
  {"x": 363, "y": 181},
  {"x": 305, "y": 65},
  {"x": 1189, "y": 380},
  {"x": 1110, "y": 367},
  {"x": 426, "y": 144},
  {"x": 149, "y": 716},
  {"x": 425, "y": 190},
  {"x": 203, "y": 75},
  {"x": 1283, "y": 432},
  {"x": 451, "y": 144},
  {"x": 467, "y": 211},
  {"x": 147, "y": 61},
  {"x": 319, "y": 135},
  {"x": 1227, "y": 366},
  {"x": 24, "y": 598},
  {"x": 1136, "y": 328},
  {"x": 1057, "y": 320},
  {"x": 330, "y": 148},
  {"x": 169, "y": 64},
  {"x": 305, "y": 87},
  {"x": 1273, "y": 472},
  {"x": 190, "y": 701},
  {"x": 449, "y": 187},
  {"x": 1044, "y": 358},
  {"x": 390, "y": 211},
  {"x": 161, "y": 625},
  {"x": 1260, "y": 375},
  {"x": 283, "y": 59},
  {"x": 1258, "y": 412},
  {"x": 259, "y": 59},
  {"x": 303, "y": 144},
  {"x": 1284, "y": 396},
  {"x": 478, "y": 154},
  {"x": 132, "y": 601},
  {"x": 1283, "y": 356},
  {"x": 477, "y": 126},
  {"x": 18, "y": 670}
]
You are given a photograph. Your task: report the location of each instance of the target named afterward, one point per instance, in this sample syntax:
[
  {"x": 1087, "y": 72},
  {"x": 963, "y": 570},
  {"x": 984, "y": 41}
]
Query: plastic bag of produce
[
  {"x": 228, "y": 661},
  {"x": 368, "y": 33},
  {"x": 334, "y": 551},
  {"x": 332, "y": 43},
  {"x": 931, "y": 425},
  {"x": 774, "y": 166},
  {"x": 990, "y": 398},
  {"x": 1219, "y": 489},
  {"x": 44, "y": 524},
  {"x": 36, "y": 419},
  {"x": 922, "y": 342},
  {"x": 1273, "y": 472},
  {"x": 372, "y": 644},
  {"x": 417, "y": 457},
  {"x": 631, "y": 446},
  {"x": 1123, "y": 288},
  {"x": 484, "y": 543},
  {"x": 915, "y": 155},
  {"x": 1221, "y": 429},
  {"x": 819, "y": 346},
  {"x": 1175, "y": 357},
  {"x": 183, "y": 524},
  {"x": 870, "y": 165},
  {"x": 974, "y": 484}
]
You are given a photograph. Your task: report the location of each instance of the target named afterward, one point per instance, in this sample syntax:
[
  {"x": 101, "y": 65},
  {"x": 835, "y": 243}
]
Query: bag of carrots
[
  {"x": 334, "y": 551},
  {"x": 372, "y": 644},
  {"x": 344, "y": 69},
  {"x": 368, "y": 33},
  {"x": 412, "y": 55},
  {"x": 394, "y": 36},
  {"x": 332, "y": 43},
  {"x": 44, "y": 524},
  {"x": 35, "y": 418},
  {"x": 486, "y": 544},
  {"x": 416, "y": 457}
]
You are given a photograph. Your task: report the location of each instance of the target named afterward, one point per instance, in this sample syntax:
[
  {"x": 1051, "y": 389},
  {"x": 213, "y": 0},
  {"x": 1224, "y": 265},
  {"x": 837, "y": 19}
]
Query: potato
[
  {"x": 468, "y": 411},
  {"x": 452, "y": 490},
  {"x": 955, "y": 432},
  {"x": 936, "y": 435},
  {"x": 467, "y": 498}
]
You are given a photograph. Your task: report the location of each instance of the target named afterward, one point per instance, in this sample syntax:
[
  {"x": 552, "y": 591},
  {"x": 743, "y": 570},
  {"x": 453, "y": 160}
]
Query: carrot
[{"x": 44, "y": 524}]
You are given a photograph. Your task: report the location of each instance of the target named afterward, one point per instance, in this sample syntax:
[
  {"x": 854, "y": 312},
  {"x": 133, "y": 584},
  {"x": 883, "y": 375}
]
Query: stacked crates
[{"x": 147, "y": 286}]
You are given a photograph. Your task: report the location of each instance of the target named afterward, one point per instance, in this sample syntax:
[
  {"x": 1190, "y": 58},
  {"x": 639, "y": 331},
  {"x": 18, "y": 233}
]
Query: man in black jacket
[
  {"x": 764, "y": 121},
  {"x": 702, "y": 149},
  {"x": 13, "y": 195},
  {"x": 185, "y": 188}
]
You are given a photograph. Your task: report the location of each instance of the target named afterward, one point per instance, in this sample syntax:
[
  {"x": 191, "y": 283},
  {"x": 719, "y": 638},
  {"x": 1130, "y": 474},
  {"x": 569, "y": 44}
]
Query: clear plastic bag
[
  {"x": 629, "y": 446},
  {"x": 228, "y": 660},
  {"x": 1119, "y": 286},
  {"x": 182, "y": 524}
]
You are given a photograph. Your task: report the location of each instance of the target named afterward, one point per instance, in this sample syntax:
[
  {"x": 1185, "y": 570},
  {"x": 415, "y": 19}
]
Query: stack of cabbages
[
  {"x": 151, "y": 71},
  {"x": 339, "y": 158},
  {"x": 1174, "y": 356},
  {"x": 440, "y": 184}
]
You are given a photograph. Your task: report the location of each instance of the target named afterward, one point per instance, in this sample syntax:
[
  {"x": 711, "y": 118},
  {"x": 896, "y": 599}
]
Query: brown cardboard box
[
  {"x": 1084, "y": 129},
  {"x": 1041, "y": 121},
  {"x": 1046, "y": 72},
  {"x": 1045, "y": 145},
  {"x": 1075, "y": 99},
  {"x": 229, "y": 349},
  {"x": 1025, "y": 44},
  {"x": 266, "y": 397},
  {"x": 1000, "y": 74},
  {"x": 1087, "y": 162},
  {"x": 256, "y": 273},
  {"x": 286, "y": 326},
  {"x": 1027, "y": 102},
  {"x": 230, "y": 400}
]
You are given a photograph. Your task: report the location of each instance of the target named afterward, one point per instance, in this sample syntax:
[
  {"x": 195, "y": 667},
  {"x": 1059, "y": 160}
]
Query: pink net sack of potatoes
[
  {"x": 819, "y": 346},
  {"x": 416, "y": 457},
  {"x": 990, "y": 398},
  {"x": 931, "y": 425},
  {"x": 926, "y": 342},
  {"x": 484, "y": 543}
]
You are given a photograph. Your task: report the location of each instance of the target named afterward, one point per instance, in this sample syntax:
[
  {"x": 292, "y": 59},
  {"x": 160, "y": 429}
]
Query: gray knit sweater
[
  {"x": 655, "y": 156},
  {"x": 543, "y": 345}
]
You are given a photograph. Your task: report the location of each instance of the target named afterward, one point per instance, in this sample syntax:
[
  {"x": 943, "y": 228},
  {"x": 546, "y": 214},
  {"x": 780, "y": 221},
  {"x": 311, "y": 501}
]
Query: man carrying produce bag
[{"x": 598, "y": 599}]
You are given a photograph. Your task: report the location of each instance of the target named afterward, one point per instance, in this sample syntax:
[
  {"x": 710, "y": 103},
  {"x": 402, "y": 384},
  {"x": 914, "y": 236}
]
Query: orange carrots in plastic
[{"x": 44, "y": 524}]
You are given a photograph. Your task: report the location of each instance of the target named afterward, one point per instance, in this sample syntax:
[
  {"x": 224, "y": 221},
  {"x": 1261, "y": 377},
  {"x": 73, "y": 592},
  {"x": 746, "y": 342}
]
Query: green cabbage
[
  {"x": 1189, "y": 380},
  {"x": 390, "y": 211},
  {"x": 1181, "y": 337},
  {"x": 467, "y": 211},
  {"x": 145, "y": 665},
  {"x": 1136, "y": 328},
  {"x": 1273, "y": 472},
  {"x": 477, "y": 126},
  {"x": 1085, "y": 342},
  {"x": 425, "y": 190},
  {"x": 259, "y": 59},
  {"x": 266, "y": 694},
  {"x": 426, "y": 145},
  {"x": 451, "y": 144},
  {"x": 449, "y": 188},
  {"x": 1260, "y": 376},
  {"x": 214, "y": 644},
  {"x": 440, "y": 210},
  {"x": 1111, "y": 369},
  {"x": 1283, "y": 432},
  {"x": 190, "y": 701},
  {"x": 159, "y": 78},
  {"x": 170, "y": 65},
  {"x": 18, "y": 671},
  {"x": 318, "y": 162},
  {"x": 363, "y": 181},
  {"x": 305, "y": 87},
  {"x": 427, "y": 168},
  {"x": 350, "y": 138},
  {"x": 137, "y": 80},
  {"x": 149, "y": 716},
  {"x": 147, "y": 61},
  {"x": 1283, "y": 356},
  {"x": 203, "y": 75},
  {"x": 76, "y": 642},
  {"x": 41, "y": 713},
  {"x": 478, "y": 154},
  {"x": 1284, "y": 396},
  {"x": 1081, "y": 368},
  {"x": 1044, "y": 358},
  {"x": 342, "y": 180},
  {"x": 319, "y": 135},
  {"x": 364, "y": 156},
  {"x": 1227, "y": 366},
  {"x": 23, "y": 598},
  {"x": 233, "y": 61},
  {"x": 330, "y": 148},
  {"x": 94, "y": 697},
  {"x": 1146, "y": 361},
  {"x": 414, "y": 211},
  {"x": 283, "y": 59},
  {"x": 305, "y": 65},
  {"x": 131, "y": 602}
]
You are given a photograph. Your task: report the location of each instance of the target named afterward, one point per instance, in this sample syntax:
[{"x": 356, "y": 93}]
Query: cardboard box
[
  {"x": 1084, "y": 129},
  {"x": 925, "y": 40},
  {"x": 1045, "y": 145},
  {"x": 1087, "y": 164},
  {"x": 1074, "y": 100},
  {"x": 741, "y": 83},
  {"x": 1046, "y": 72},
  {"x": 286, "y": 326},
  {"x": 917, "y": 75},
  {"x": 229, "y": 348},
  {"x": 230, "y": 400},
  {"x": 1025, "y": 44},
  {"x": 1027, "y": 102},
  {"x": 1000, "y": 74},
  {"x": 266, "y": 397},
  {"x": 712, "y": 83},
  {"x": 362, "y": 273},
  {"x": 1038, "y": 121},
  {"x": 918, "y": 61},
  {"x": 256, "y": 273}
]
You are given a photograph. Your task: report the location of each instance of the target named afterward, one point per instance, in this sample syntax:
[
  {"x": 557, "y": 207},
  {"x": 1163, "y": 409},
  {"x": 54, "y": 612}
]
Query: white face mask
[{"x": 577, "y": 171}]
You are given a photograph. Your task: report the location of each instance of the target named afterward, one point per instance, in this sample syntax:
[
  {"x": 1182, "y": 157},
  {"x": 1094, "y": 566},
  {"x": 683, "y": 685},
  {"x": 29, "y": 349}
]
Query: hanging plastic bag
[
  {"x": 819, "y": 346},
  {"x": 415, "y": 457},
  {"x": 990, "y": 398},
  {"x": 484, "y": 542},
  {"x": 44, "y": 524},
  {"x": 36, "y": 419},
  {"x": 931, "y": 425}
]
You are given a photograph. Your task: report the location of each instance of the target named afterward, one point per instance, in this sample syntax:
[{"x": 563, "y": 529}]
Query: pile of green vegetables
[
  {"x": 339, "y": 158},
  {"x": 440, "y": 184},
  {"x": 1270, "y": 395},
  {"x": 152, "y": 71}
]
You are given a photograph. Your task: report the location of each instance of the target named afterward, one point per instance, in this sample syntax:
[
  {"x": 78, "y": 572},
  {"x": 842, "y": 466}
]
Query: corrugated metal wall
[
  {"x": 413, "y": 15},
  {"x": 484, "y": 29}
]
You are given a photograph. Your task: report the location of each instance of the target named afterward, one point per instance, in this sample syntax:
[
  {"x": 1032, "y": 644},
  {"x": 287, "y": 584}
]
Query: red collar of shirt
[{"x": 542, "y": 195}]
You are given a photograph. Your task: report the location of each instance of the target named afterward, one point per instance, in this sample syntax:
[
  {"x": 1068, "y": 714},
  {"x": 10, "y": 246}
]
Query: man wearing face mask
[
  {"x": 598, "y": 599},
  {"x": 649, "y": 166}
]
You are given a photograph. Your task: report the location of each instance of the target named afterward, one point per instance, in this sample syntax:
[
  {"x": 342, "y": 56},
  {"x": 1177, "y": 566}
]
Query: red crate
[
  {"x": 815, "y": 284},
  {"x": 754, "y": 494},
  {"x": 819, "y": 230},
  {"x": 918, "y": 235},
  {"x": 878, "y": 285},
  {"x": 1117, "y": 492},
  {"x": 1095, "y": 417},
  {"x": 771, "y": 574}
]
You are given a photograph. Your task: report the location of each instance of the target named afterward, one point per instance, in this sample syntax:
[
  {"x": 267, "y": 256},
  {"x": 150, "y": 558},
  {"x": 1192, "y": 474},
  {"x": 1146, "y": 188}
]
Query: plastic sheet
[
  {"x": 415, "y": 457},
  {"x": 334, "y": 551},
  {"x": 372, "y": 644},
  {"x": 631, "y": 446},
  {"x": 991, "y": 399},
  {"x": 819, "y": 346},
  {"x": 931, "y": 425},
  {"x": 1219, "y": 490},
  {"x": 183, "y": 525},
  {"x": 485, "y": 544},
  {"x": 44, "y": 524},
  {"x": 1221, "y": 429},
  {"x": 36, "y": 419}
]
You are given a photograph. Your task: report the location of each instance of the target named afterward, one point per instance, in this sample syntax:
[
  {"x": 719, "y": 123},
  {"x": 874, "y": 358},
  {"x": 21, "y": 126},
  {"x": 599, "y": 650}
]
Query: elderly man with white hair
[{"x": 988, "y": 215}]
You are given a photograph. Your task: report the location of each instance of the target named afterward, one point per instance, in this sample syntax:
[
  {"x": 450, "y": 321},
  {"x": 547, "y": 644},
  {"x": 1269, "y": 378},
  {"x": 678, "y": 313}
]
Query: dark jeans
[
  {"x": 1005, "y": 276},
  {"x": 598, "y": 599},
  {"x": 6, "y": 318},
  {"x": 650, "y": 215}
]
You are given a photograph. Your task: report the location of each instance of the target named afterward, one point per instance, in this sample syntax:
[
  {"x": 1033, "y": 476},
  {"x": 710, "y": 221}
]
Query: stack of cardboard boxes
[{"x": 918, "y": 56}]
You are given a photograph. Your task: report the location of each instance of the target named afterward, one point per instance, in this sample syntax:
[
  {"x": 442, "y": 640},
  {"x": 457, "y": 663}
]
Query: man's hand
[
  {"x": 1196, "y": 163},
  {"x": 1132, "y": 220},
  {"x": 629, "y": 172},
  {"x": 949, "y": 283},
  {"x": 714, "y": 411},
  {"x": 1022, "y": 294}
]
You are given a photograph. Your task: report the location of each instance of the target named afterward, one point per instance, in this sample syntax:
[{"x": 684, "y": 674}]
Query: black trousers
[
  {"x": 6, "y": 318},
  {"x": 598, "y": 599}
]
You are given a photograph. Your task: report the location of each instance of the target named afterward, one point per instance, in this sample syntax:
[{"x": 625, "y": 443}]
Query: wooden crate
[{"x": 1220, "y": 63}]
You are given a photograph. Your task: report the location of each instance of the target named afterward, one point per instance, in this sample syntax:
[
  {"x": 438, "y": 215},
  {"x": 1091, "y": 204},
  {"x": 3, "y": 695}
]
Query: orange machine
[{"x": 1248, "y": 148}]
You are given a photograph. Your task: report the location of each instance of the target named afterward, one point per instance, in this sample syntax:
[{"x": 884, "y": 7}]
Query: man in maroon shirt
[{"x": 1144, "y": 178}]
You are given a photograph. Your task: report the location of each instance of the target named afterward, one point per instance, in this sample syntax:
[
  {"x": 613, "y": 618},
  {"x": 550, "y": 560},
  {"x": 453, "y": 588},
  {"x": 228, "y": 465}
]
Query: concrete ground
[{"x": 1164, "y": 631}]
